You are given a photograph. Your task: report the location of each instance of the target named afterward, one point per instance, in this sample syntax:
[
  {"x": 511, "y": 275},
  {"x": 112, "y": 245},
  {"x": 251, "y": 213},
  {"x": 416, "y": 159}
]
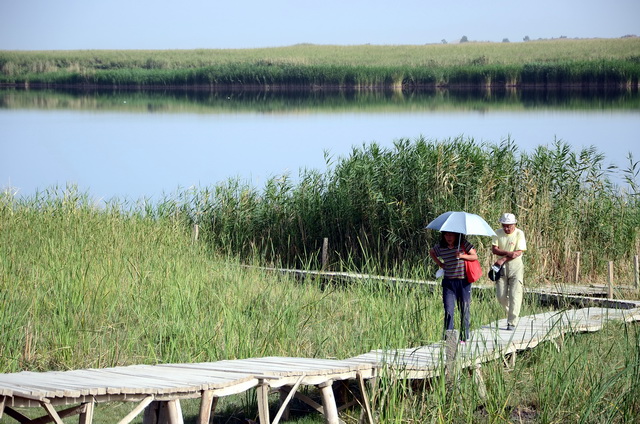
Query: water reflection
[
  {"x": 145, "y": 143},
  {"x": 273, "y": 101}
]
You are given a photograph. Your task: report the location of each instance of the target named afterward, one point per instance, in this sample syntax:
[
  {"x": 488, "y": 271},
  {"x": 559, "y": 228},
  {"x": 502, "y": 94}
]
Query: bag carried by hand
[{"x": 472, "y": 270}]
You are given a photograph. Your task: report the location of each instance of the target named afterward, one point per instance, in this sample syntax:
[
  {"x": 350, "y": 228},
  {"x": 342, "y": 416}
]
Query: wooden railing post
[
  {"x": 325, "y": 253},
  {"x": 196, "y": 232},
  {"x": 577, "y": 276},
  {"x": 610, "y": 290},
  {"x": 637, "y": 271}
]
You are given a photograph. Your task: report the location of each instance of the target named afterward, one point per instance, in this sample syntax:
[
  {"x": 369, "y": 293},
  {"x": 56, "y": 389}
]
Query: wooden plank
[
  {"x": 309, "y": 401},
  {"x": 120, "y": 380},
  {"x": 16, "y": 415}
]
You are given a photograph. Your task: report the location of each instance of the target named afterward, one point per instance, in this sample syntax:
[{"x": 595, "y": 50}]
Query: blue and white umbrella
[{"x": 463, "y": 223}]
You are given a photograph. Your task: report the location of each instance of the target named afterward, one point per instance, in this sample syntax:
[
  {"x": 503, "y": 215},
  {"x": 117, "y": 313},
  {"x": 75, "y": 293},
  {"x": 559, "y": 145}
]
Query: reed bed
[
  {"x": 613, "y": 62},
  {"x": 373, "y": 206}
]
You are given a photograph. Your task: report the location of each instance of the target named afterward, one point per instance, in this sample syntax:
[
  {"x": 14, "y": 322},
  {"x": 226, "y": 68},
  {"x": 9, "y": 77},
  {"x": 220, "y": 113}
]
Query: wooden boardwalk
[{"x": 158, "y": 389}]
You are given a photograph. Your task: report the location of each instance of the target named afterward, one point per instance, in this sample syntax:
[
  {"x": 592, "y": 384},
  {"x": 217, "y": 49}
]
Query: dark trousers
[{"x": 456, "y": 291}]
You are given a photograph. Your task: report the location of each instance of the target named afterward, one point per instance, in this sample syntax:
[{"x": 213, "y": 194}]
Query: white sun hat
[{"x": 508, "y": 218}]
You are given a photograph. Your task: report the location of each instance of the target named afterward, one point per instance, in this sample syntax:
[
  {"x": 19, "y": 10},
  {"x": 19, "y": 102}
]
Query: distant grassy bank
[{"x": 585, "y": 63}]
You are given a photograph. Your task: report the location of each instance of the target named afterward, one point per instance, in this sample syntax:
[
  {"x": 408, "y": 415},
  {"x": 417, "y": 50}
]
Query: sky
[{"x": 192, "y": 24}]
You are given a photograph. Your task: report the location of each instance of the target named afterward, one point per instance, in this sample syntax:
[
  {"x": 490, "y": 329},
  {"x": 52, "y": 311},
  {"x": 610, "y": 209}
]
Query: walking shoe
[{"x": 510, "y": 327}]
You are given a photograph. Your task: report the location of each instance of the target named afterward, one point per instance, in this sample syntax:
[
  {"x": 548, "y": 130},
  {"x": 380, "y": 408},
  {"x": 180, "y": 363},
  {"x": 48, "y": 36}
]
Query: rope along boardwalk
[{"x": 158, "y": 389}]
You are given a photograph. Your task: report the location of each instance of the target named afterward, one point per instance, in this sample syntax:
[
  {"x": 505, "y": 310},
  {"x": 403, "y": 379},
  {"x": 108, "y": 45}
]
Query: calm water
[{"x": 133, "y": 145}]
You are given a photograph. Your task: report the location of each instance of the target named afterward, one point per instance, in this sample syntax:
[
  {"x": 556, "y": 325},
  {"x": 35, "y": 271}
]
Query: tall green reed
[{"x": 373, "y": 206}]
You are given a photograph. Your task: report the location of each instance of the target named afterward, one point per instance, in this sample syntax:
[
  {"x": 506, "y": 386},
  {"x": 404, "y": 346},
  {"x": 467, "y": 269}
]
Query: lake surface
[{"x": 147, "y": 145}]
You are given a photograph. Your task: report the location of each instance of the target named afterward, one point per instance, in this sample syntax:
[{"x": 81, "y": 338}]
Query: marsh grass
[
  {"x": 373, "y": 205},
  {"x": 546, "y": 62},
  {"x": 86, "y": 285},
  {"x": 94, "y": 286}
]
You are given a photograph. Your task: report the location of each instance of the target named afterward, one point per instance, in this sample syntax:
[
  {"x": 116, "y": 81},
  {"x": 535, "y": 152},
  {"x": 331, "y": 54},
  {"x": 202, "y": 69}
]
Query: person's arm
[
  {"x": 435, "y": 258},
  {"x": 505, "y": 255},
  {"x": 472, "y": 255}
]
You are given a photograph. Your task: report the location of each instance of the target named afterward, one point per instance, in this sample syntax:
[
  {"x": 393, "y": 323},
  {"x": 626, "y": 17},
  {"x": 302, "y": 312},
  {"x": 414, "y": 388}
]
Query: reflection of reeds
[
  {"x": 305, "y": 101},
  {"x": 548, "y": 63}
]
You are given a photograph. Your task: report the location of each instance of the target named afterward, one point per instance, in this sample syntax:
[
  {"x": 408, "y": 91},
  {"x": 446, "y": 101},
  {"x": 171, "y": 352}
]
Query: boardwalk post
[
  {"x": 325, "y": 254},
  {"x": 577, "y": 276},
  {"x": 151, "y": 412},
  {"x": 366, "y": 407},
  {"x": 174, "y": 412},
  {"x": 637, "y": 271},
  {"x": 610, "y": 288},
  {"x": 329, "y": 403},
  {"x": 284, "y": 407},
  {"x": 53, "y": 414},
  {"x": 196, "y": 232},
  {"x": 86, "y": 415},
  {"x": 477, "y": 378},
  {"x": 208, "y": 404},
  {"x": 158, "y": 412},
  {"x": 262, "y": 392},
  {"x": 451, "y": 351}
]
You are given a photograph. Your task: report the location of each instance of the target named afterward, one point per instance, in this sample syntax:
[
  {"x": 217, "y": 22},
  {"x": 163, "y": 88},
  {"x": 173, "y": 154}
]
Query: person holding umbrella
[
  {"x": 449, "y": 254},
  {"x": 509, "y": 244}
]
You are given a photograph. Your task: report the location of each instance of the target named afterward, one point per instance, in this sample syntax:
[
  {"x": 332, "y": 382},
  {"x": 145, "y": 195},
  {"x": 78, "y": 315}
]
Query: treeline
[{"x": 543, "y": 63}]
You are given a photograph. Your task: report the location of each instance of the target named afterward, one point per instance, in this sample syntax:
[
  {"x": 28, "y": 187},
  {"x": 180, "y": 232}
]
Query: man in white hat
[{"x": 509, "y": 244}]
